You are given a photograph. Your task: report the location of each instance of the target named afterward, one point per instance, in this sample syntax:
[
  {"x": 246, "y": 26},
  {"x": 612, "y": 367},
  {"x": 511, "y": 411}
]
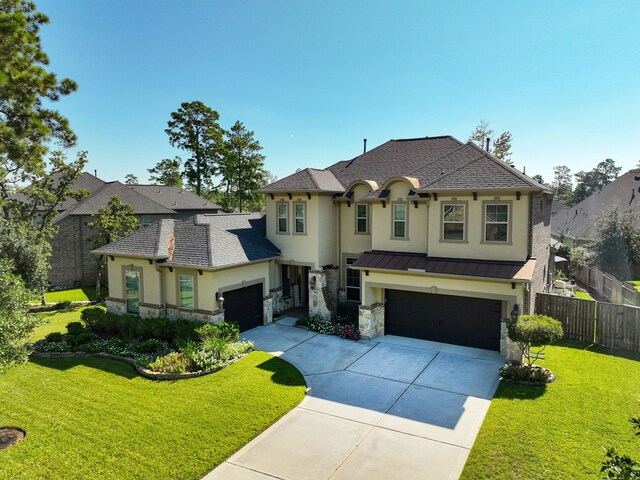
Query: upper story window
[
  {"x": 283, "y": 218},
  {"x": 362, "y": 218},
  {"x": 299, "y": 217},
  {"x": 496, "y": 222},
  {"x": 186, "y": 291},
  {"x": 147, "y": 220},
  {"x": 399, "y": 220},
  {"x": 453, "y": 221}
]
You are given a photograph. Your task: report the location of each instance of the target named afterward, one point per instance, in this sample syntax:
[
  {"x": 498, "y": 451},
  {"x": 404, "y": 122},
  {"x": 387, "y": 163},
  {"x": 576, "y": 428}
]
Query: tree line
[{"x": 225, "y": 166}]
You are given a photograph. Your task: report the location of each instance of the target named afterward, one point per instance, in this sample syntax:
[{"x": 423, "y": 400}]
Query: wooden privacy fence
[
  {"x": 608, "y": 286},
  {"x": 607, "y": 324}
]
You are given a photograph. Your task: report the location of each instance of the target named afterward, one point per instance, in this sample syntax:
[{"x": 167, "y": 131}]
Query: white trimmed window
[
  {"x": 399, "y": 220},
  {"x": 283, "y": 218},
  {"x": 187, "y": 297},
  {"x": 496, "y": 222},
  {"x": 362, "y": 218},
  {"x": 453, "y": 220},
  {"x": 299, "y": 217}
]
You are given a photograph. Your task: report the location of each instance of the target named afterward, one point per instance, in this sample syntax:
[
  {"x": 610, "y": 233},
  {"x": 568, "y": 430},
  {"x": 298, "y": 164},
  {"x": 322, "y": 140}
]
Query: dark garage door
[
  {"x": 244, "y": 306},
  {"x": 473, "y": 322}
]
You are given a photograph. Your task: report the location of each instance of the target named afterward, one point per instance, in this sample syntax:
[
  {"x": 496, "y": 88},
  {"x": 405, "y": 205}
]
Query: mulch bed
[{"x": 9, "y": 436}]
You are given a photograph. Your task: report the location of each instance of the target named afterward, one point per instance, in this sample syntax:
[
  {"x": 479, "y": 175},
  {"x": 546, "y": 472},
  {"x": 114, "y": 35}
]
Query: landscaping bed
[
  {"x": 344, "y": 324},
  {"x": 89, "y": 417},
  {"x": 158, "y": 346},
  {"x": 559, "y": 430}
]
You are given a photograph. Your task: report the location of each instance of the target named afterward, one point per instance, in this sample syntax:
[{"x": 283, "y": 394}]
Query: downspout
[
  {"x": 339, "y": 245},
  {"x": 163, "y": 305},
  {"x": 428, "y": 223}
]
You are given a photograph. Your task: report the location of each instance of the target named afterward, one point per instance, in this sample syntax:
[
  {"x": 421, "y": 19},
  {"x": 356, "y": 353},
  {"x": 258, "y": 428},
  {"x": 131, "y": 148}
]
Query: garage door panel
[
  {"x": 244, "y": 306},
  {"x": 469, "y": 321}
]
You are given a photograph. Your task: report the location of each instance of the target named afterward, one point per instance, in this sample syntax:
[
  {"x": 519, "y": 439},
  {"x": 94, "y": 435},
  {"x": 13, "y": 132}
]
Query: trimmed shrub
[
  {"x": 63, "y": 305},
  {"x": 81, "y": 339},
  {"x": 534, "y": 331},
  {"x": 91, "y": 315},
  {"x": 153, "y": 346},
  {"x": 54, "y": 337},
  {"x": 525, "y": 373},
  {"x": 75, "y": 328}
]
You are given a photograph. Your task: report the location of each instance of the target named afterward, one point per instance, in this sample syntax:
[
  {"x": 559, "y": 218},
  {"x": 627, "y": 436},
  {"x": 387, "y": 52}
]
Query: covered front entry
[
  {"x": 244, "y": 306},
  {"x": 468, "y": 321}
]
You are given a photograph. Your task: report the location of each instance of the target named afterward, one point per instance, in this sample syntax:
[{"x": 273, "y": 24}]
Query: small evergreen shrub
[
  {"x": 53, "y": 337},
  {"x": 153, "y": 346},
  {"x": 63, "y": 305},
  {"x": 75, "y": 328},
  {"x": 81, "y": 339}
]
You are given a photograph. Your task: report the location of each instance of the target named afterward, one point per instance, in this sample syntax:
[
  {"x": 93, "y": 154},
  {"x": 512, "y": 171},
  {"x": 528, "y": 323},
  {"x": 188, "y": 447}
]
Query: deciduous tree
[
  {"x": 194, "y": 128},
  {"x": 617, "y": 242},
  {"x": 112, "y": 222},
  {"x": 562, "y": 184},
  {"x": 16, "y": 326},
  {"x": 501, "y": 147},
  {"x": 167, "y": 172}
]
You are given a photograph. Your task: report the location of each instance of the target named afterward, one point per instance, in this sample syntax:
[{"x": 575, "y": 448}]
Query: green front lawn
[
  {"x": 584, "y": 295},
  {"x": 95, "y": 418},
  {"x": 558, "y": 431},
  {"x": 635, "y": 283},
  {"x": 83, "y": 294},
  {"x": 55, "y": 322}
]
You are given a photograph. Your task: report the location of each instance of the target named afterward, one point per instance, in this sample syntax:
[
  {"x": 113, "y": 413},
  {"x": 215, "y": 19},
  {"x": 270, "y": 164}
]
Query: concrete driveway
[{"x": 390, "y": 408}]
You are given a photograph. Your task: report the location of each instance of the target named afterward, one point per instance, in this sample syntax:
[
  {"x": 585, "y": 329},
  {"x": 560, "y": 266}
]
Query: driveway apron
[{"x": 384, "y": 409}]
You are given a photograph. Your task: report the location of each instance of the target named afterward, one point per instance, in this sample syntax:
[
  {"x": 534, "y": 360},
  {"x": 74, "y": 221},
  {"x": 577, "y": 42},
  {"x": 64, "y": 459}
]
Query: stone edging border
[{"x": 143, "y": 372}]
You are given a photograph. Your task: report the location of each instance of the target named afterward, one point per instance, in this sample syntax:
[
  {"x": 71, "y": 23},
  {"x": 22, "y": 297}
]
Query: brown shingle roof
[
  {"x": 439, "y": 163},
  {"x": 308, "y": 180}
]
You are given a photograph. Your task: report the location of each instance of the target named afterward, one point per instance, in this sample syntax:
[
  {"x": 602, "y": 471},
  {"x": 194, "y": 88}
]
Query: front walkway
[{"x": 391, "y": 408}]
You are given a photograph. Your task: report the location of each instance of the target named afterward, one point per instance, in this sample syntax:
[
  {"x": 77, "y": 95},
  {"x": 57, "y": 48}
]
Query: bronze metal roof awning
[{"x": 416, "y": 262}]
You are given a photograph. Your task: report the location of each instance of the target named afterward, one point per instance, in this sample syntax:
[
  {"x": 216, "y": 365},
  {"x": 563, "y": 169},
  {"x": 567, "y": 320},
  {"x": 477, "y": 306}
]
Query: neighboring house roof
[
  {"x": 438, "y": 163},
  {"x": 446, "y": 266},
  {"x": 201, "y": 241},
  {"x": 85, "y": 181},
  {"x": 557, "y": 205},
  {"x": 175, "y": 198},
  {"x": 141, "y": 204},
  {"x": 580, "y": 221},
  {"x": 308, "y": 180}
]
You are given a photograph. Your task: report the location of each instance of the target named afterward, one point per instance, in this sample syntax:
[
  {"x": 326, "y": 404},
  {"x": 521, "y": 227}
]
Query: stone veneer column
[
  {"x": 319, "y": 305},
  {"x": 508, "y": 347},
  {"x": 371, "y": 320},
  {"x": 267, "y": 310},
  {"x": 277, "y": 303}
]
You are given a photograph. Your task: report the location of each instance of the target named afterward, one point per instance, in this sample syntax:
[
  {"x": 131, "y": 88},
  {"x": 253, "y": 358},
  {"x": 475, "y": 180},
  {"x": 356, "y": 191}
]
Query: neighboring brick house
[
  {"x": 432, "y": 238},
  {"x": 72, "y": 264}
]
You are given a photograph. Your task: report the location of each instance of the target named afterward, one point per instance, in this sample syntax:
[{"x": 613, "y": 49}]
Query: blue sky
[{"x": 312, "y": 79}]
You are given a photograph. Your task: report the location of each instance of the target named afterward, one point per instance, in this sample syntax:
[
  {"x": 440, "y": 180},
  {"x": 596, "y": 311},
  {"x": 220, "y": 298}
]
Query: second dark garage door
[
  {"x": 472, "y": 322},
  {"x": 244, "y": 306}
]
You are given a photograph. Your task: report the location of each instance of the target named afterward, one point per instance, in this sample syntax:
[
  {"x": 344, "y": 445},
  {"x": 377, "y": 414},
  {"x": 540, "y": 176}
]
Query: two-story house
[{"x": 433, "y": 238}]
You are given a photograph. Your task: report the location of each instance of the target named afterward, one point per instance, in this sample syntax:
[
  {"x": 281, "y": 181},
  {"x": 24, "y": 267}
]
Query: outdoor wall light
[
  {"x": 312, "y": 282},
  {"x": 514, "y": 312}
]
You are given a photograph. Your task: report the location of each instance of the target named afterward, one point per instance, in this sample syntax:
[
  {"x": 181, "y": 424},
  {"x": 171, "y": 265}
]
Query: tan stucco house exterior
[{"x": 432, "y": 238}]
